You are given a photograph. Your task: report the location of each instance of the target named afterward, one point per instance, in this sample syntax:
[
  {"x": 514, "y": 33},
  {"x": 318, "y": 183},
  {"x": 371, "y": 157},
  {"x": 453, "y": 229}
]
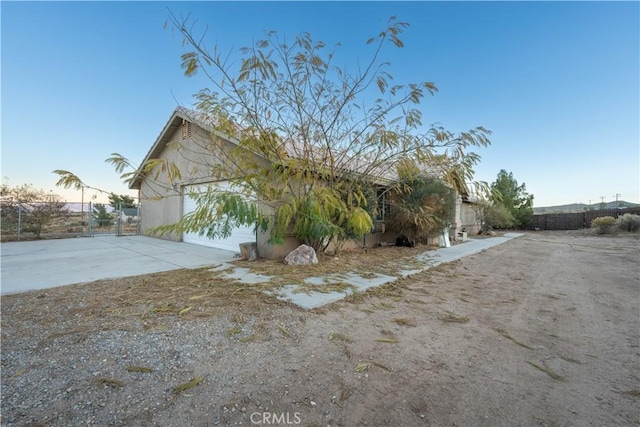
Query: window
[{"x": 186, "y": 129}]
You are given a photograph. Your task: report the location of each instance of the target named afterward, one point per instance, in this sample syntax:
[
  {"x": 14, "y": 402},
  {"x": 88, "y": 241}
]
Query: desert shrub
[
  {"x": 603, "y": 224},
  {"x": 629, "y": 222},
  {"x": 420, "y": 208},
  {"x": 497, "y": 216}
]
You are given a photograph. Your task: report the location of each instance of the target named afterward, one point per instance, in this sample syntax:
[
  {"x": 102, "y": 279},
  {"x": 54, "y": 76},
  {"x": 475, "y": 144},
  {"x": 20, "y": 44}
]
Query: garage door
[{"x": 231, "y": 243}]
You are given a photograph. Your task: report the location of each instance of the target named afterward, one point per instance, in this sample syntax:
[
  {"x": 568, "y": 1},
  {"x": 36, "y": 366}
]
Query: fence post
[
  {"x": 19, "y": 221},
  {"x": 138, "y": 219},
  {"x": 118, "y": 216},
  {"x": 90, "y": 219}
]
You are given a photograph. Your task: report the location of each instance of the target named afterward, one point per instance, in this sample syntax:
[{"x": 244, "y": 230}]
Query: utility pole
[
  {"x": 617, "y": 195},
  {"x": 602, "y": 204}
]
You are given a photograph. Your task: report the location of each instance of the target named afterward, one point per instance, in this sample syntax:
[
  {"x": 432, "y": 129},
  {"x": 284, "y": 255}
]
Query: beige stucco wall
[
  {"x": 161, "y": 200},
  {"x": 156, "y": 212},
  {"x": 468, "y": 219},
  {"x": 465, "y": 217}
]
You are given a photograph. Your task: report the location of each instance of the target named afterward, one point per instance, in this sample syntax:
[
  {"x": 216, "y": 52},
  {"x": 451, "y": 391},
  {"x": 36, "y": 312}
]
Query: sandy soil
[{"x": 542, "y": 330}]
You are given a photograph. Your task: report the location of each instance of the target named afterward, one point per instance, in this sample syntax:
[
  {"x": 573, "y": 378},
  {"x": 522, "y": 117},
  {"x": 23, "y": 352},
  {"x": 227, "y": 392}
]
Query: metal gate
[{"x": 120, "y": 222}]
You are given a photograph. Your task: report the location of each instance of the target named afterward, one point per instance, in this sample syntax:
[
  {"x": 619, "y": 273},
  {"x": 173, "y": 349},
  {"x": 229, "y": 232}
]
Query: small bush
[
  {"x": 603, "y": 224},
  {"x": 629, "y": 222},
  {"x": 497, "y": 216},
  {"x": 101, "y": 217}
]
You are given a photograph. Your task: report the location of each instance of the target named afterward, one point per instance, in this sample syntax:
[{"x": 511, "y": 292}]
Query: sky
[{"x": 557, "y": 83}]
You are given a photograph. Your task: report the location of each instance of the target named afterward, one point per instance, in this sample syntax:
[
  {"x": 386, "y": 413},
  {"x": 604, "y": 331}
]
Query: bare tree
[{"x": 36, "y": 209}]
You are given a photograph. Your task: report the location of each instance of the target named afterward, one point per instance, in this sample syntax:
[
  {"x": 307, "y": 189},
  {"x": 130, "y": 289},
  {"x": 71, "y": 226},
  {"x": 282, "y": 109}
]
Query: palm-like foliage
[{"x": 421, "y": 207}]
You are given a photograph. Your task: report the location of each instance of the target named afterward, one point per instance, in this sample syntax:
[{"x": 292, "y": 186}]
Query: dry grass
[
  {"x": 390, "y": 337},
  {"x": 341, "y": 337},
  {"x": 345, "y": 392},
  {"x": 393, "y": 290},
  {"x": 184, "y": 311},
  {"x": 389, "y": 290},
  {"x": 188, "y": 385},
  {"x": 233, "y": 331},
  {"x": 284, "y": 332},
  {"x": 404, "y": 321},
  {"x": 365, "y": 366},
  {"x": 151, "y": 301},
  {"x": 250, "y": 338},
  {"x": 547, "y": 371},
  {"x": 156, "y": 301},
  {"x": 110, "y": 382},
  {"x": 326, "y": 288},
  {"x": 141, "y": 369},
  {"x": 19, "y": 373},
  {"x": 451, "y": 317},
  {"x": 362, "y": 367},
  {"x": 342, "y": 340},
  {"x": 383, "y": 260},
  {"x": 509, "y": 337}
]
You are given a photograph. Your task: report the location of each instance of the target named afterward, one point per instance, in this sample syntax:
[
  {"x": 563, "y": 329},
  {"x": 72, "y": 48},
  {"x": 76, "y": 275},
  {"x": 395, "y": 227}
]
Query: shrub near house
[{"x": 421, "y": 207}]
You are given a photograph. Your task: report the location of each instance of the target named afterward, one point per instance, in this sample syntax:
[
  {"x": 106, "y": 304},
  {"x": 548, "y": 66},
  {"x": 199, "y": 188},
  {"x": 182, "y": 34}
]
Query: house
[
  {"x": 465, "y": 217},
  {"x": 128, "y": 215},
  {"x": 187, "y": 141}
]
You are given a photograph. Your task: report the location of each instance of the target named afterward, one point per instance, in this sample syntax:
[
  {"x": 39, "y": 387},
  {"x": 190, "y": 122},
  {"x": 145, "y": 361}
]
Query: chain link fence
[{"x": 48, "y": 220}]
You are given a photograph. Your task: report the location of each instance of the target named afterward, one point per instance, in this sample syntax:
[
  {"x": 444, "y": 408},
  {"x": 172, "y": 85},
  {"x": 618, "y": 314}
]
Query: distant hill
[{"x": 581, "y": 207}]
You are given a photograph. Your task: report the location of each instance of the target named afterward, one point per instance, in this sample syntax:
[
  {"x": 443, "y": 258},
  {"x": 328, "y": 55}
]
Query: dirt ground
[{"x": 540, "y": 331}]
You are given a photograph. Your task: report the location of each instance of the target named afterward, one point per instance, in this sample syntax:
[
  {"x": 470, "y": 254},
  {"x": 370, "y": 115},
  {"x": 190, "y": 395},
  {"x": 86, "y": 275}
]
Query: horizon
[
  {"x": 590, "y": 205},
  {"x": 556, "y": 83}
]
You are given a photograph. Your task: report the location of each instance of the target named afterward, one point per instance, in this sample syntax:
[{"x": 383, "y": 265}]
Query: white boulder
[{"x": 302, "y": 255}]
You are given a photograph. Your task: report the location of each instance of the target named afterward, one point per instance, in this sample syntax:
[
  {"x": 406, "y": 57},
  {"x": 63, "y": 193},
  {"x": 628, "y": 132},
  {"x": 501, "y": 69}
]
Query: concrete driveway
[{"x": 48, "y": 263}]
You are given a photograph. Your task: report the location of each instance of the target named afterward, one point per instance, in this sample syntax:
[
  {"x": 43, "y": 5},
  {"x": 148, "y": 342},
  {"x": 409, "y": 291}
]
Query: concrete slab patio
[{"x": 48, "y": 263}]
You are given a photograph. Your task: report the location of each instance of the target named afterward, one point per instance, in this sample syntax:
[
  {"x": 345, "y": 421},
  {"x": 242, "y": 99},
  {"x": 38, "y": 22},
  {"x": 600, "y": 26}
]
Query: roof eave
[
  {"x": 161, "y": 141},
  {"x": 175, "y": 121}
]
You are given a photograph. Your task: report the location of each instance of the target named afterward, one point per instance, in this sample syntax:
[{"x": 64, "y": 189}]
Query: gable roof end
[{"x": 175, "y": 121}]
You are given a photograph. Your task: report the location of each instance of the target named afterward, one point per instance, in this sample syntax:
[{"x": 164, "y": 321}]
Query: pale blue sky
[{"x": 557, "y": 83}]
